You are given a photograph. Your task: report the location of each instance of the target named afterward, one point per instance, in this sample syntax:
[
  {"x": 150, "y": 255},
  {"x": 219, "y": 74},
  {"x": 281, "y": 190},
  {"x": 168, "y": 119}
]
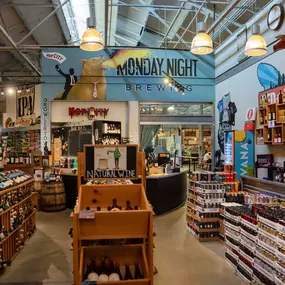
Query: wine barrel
[{"x": 53, "y": 197}]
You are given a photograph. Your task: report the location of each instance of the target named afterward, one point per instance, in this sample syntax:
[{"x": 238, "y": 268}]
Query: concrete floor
[{"x": 179, "y": 258}]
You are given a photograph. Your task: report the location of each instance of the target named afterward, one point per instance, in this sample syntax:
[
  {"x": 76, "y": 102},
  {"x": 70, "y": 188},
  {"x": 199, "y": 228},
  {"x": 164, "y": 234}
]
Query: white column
[{"x": 134, "y": 122}]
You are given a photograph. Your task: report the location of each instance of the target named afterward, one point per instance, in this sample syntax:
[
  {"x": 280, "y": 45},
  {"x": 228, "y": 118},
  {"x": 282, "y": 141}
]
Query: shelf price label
[
  {"x": 271, "y": 124},
  {"x": 87, "y": 215}
]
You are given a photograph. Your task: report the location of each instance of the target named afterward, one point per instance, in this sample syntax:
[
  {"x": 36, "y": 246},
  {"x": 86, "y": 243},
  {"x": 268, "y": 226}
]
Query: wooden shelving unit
[
  {"x": 136, "y": 226},
  {"x": 274, "y": 125},
  {"x": 12, "y": 239}
]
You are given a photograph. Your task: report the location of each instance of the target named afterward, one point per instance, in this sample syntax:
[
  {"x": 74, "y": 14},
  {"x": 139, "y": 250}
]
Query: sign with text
[
  {"x": 26, "y": 103},
  {"x": 91, "y": 112},
  {"x": 110, "y": 162}
]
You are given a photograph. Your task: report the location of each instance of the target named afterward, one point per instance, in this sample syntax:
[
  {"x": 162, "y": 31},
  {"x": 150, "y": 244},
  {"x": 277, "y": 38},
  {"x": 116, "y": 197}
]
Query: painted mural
[
  {"x": 126, "y": 75},
  {"x": 226, "y": 113}
]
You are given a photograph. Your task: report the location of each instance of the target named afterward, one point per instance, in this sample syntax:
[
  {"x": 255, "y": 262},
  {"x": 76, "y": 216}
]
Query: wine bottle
[
  {"x": 138, "y": 274},
  {"x": 269, "y": 115},
  {"x": 103, "y": 277},
  {"x": 112, "y": 266},
  {"x": 273, "y": 114},
  {"x": 113, "y": 275},
  {"x": 280, "y": 98},
  {"x": 114, "y": 207},
  {"x": 118, "y": 271},
  {"x": 129, "y": 207},
  {"x": 88, "y": 268},
  {"x": 128, "y": 274},
  {"x": 279, "y": 138}
]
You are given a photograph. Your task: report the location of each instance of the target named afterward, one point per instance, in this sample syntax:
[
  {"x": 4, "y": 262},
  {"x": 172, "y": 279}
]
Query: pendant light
[
  {"x": 255, "y": 45},
  {"x": 202, "y": 42},
  {"x": 91, "y": 39}
]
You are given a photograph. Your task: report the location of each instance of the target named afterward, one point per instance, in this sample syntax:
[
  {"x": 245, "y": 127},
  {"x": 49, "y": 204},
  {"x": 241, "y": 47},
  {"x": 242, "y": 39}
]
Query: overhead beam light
[
  {"x": 202, "y": 42},
  {"x": 10, "y": 90},
  {"x": 91, "y": 39},
  {"x": 256, "y": 44},
  {"x": 173, "y": 83}
]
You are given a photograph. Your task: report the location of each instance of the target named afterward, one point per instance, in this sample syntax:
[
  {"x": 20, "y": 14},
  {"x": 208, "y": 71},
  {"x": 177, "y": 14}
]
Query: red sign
[{"x": 91, "y": 112}]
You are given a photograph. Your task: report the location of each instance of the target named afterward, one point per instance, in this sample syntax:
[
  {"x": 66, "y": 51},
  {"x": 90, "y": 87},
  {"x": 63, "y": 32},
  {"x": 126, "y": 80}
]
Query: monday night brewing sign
[{"x": 157, "y": 67}]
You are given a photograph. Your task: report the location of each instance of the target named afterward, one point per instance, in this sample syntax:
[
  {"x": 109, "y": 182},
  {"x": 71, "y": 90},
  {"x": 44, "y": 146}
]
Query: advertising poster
[{"x": 244, "y": 153}]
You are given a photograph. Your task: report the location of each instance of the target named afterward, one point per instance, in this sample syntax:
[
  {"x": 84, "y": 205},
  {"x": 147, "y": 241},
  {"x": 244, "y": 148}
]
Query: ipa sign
[
  {"x": 110, "y": 162},
  {"x": 26, "y": 103}
]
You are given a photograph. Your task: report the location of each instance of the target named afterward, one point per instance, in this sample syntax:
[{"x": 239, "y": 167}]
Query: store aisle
[
  {"x": 47, "y": 258},
  {"x": 180, "y": 259}
]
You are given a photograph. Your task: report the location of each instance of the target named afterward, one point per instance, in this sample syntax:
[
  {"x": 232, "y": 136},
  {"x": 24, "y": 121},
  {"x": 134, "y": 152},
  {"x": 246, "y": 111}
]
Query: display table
[{"x": 166, "y": 192}]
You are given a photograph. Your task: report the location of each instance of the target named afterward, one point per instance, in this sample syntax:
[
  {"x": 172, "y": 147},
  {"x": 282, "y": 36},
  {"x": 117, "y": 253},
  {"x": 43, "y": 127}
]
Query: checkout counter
[{"x": 166, "y": 192}]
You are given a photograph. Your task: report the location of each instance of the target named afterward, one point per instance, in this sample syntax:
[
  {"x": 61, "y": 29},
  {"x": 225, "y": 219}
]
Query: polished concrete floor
[{"x": 179, "y": 258}]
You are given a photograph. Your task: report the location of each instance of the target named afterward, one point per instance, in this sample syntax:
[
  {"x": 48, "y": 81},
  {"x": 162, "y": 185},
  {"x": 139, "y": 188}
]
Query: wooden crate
[
  {"x": 114, "y": 225},
  {"x": 119, "y": 254}
]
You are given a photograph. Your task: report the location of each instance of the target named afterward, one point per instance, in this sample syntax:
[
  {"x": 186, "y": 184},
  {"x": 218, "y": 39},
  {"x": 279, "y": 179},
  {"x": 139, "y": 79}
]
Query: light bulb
[
  {"x": 166, "y": 80},
  {"x": 176, "y": 89},
  {"x": 170, "y": 84},
  {"x": 19, "y": 91},
  {"x": 2, "y": 93},
  {"x": 10, "y": 90}
]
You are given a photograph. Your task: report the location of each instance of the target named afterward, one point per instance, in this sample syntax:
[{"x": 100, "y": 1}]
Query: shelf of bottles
[
  {"x": 17, "y": 214},
  {"x": 17, "y": 146},
  {"x": 107, "y": 132},
  {"x": 205, "y": 194},
  {"x": 271, "y": 119},
  {"x": 119, "y": 234},
  {"x": 255, "y": 243}
]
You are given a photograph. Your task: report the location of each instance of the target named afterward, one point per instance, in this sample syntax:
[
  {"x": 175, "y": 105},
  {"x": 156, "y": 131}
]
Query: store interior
[{"x": 142, "y": 142}]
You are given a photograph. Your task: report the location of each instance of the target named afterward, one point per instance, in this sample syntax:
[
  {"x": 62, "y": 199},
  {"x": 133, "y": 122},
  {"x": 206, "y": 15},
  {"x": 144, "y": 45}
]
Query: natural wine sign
[{"x": 110, "y": 162}]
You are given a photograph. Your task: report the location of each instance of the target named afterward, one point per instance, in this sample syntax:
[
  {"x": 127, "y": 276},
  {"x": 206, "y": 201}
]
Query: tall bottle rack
[
  {"x": 203, "y": 201},
  {"x": 132, "y": 225},
  {"x": 17, "y": 221}
]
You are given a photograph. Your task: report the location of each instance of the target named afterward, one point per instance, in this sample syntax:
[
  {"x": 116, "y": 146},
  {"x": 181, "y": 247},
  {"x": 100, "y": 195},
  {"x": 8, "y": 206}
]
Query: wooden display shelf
[
  {"x": 211, "y": 230},
  {"x": 16, "y": 187},
  {"x": 17, "y": 205},
  {"x": 119, "y": 254},
  {"x": 132, "y": 224},
  {"x": 118, "y": 224}
]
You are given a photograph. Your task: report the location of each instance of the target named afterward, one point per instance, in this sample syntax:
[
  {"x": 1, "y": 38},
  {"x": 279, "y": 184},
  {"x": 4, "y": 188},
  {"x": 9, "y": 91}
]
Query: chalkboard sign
[
  {"x": 73, "y": 143},
  {"x": 110, "y": 162},
  {"x": 85, "y": 137}
]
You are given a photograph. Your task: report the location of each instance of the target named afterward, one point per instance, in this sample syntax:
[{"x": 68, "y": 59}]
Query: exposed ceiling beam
[
  {"x": 206, "y": 10},
  {"x": 24, "y": 56},
  {"x": 223, "y": 15},
  {"x": 189, "y": 25},
  {"x": 152, "y": 11},
  {"x": 155, "y": 7},
  {"x": 172, "y": 23},
  {"x": 40, "y": 23}
]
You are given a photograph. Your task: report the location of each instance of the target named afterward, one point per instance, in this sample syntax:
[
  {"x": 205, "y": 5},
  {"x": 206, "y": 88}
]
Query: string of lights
[
  {"x": 171, "y": 82},
  {"x": 18, "y": 89}
]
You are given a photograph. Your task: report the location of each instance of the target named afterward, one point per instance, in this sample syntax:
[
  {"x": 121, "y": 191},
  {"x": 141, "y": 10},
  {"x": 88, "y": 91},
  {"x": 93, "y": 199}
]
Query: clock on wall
[{"x": 275, "y": 17}]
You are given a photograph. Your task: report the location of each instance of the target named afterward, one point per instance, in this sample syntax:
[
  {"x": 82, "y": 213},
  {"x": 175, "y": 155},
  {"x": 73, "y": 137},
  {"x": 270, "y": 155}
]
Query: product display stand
[
  {"x": 17, "y": 218},
  {"x": 98, "y": 232},
  {"x": 204, "y": 198}
]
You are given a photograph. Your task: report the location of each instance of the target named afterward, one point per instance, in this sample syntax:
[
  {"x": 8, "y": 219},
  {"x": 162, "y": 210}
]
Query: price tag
[
  {"x": 271, "y": 124},
  {"x": 87, "y": 215}
]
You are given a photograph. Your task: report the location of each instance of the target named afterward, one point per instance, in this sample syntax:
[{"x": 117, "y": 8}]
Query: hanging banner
[{"x": 26, "y": 103}]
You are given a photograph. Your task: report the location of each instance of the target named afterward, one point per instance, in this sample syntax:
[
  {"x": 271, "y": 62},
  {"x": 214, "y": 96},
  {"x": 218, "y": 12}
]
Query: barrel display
[{"x": 53, "y": 197}]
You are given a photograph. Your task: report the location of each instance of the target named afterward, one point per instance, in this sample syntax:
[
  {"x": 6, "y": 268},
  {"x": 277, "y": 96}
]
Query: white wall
[
  {"x": 118, "y": 111},
  {"x": 226, "y": 55},
  {"x": 244, "y": 88}
]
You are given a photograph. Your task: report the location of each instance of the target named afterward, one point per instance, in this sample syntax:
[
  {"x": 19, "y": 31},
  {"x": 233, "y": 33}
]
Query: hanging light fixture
[
  {"x": 91, "y": 39},
  {"x": 256, "y": 44},
  {"x": 202, "y": 42}
]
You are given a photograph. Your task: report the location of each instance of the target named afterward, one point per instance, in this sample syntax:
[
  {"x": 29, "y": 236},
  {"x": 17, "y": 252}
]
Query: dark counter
[
  {"x": 166, "y": 192},
  {"x": 70, "y": 186}
]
